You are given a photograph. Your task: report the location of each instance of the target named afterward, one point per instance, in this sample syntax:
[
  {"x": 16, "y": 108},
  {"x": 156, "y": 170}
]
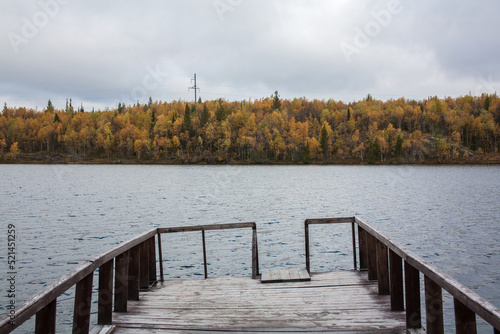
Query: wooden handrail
[
  {"x": 44, "y": 297},
  {"x": 378, "y": 253},
  {"x": 470, "y": 299},
  {"x": 374, "y": 249},
  {"x": 135, "y": 269},
  {"x": 340, "y": 220},
  {"x": 203, "y": 228}
]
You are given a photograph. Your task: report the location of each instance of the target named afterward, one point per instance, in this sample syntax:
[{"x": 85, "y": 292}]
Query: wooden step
[{"x": 285, "y": 275}]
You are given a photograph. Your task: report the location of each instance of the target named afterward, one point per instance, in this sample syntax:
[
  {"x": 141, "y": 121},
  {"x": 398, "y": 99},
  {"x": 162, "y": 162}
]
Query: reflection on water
[{"x": 65, "y": 214}]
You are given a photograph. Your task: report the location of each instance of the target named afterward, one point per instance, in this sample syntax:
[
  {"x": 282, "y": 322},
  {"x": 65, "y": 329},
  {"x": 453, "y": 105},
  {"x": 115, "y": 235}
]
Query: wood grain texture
[
  {"x": 473, "y": 301},
  {"x": 335, "y": 301},
  {"x": 285, "y": 275},
  {"x": 46, "y": 319}
]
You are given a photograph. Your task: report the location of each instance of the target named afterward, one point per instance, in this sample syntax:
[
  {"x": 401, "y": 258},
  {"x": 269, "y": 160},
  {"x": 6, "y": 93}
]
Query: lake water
[{"x": 65, "y": 214}]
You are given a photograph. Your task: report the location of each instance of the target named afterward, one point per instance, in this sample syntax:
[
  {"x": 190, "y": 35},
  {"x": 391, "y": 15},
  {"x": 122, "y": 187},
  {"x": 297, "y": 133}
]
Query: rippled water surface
[{"x": 65, "y": 214}]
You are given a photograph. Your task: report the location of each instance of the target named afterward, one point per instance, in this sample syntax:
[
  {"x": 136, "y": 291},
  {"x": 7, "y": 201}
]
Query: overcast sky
[{"x": 100, "y": 53}]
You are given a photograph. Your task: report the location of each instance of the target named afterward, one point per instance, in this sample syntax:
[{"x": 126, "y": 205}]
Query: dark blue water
[{"x": 65, "y": 214}]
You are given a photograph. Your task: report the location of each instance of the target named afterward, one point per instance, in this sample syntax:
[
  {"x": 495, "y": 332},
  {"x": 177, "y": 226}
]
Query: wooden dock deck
[
  {"x": 381, "y": 295},
  {"x": 343, "y": 301}
]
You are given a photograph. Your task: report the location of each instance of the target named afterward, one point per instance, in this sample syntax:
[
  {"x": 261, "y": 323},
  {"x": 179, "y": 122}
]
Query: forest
[{"x": 266, "y": 131}]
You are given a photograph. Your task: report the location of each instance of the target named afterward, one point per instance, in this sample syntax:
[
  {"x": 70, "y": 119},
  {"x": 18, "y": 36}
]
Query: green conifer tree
[
  {"x": 186, "y": 121},
  {"x": 324, "y": 141}
]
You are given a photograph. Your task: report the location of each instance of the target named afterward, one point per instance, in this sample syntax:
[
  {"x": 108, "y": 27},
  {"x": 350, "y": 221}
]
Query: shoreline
[{"x": 68, "y": 159}]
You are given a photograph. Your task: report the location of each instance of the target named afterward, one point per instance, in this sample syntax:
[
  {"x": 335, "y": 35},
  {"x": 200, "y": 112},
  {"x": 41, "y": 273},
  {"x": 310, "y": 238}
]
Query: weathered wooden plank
[
  {"x": 255, "y": 330},
  {"x": 314, "y": 330},
  {"x": 285, "y": 275},
  {"x": 339, "y": 220},
  {"x": 255, "y": 253},
  {"x": 205, "y": 227},
  {"x": 83, "y": 302},
  {"x": 133, "y": 273},
  {"x": 204, "y": 253},
  {"x": 465, "y": 319},
  {"x": 362, "y": 249},
  {"x": 144, "y": 266},
  {"x": 382, "y": 269},
  {"x": 371, "y": 247},
  {"x": 433, "y": 307},
  {"x": 329, "y": 301},
  {"x": 412, "y": 294},
  {"x": 46, "y": 319},
  {"x": 308, "y": 255},
  {"x": 105, "y": 297},
  {"x": 353, "y": 228},
  {"x": 103, "y": 329},
  {"x": 160, "y": 257},
  {"x": 152, "y": 261},
  {"x": 121, "y": 282},
  {"x": 396, "y": 282}
]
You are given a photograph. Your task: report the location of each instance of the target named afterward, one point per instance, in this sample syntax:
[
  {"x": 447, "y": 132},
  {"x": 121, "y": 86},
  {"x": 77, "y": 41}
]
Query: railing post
[
  {"x": 465, "y": 319},
  {"x": 362, "y": 249},
  {"x": 83, "y": 301},
  {"x": 160, "y": 257},
  {"x": 371, "y": 248},
  {"x": 382, "y": 269},
  {"x": 396, "y": 281},
  {"x": 133, "y": 272},
  {"x": 204, "y": 254},
  {"x": 121, "y": 282},
  {"x": 152, "y": 261},
  {"x": 306, "y": 232},
  {"x": 412, "y": 293},
  {"x": 433, "y": 307},
  {"x": 46, "y": 319},
  {"x": 255, "y": 253},
  {"x": 353, "y": 227},
  {"x": 105, "y": 299},
  {"x": 144, "y": 267}
]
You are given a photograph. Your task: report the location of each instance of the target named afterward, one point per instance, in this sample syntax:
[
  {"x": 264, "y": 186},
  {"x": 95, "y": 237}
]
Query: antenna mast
[{"x": 196, "y": 89}]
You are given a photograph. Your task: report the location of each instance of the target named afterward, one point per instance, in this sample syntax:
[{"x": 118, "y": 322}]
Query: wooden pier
[
  {"x": 329, "y": 302},
  {"x": 382, "y": 294}
]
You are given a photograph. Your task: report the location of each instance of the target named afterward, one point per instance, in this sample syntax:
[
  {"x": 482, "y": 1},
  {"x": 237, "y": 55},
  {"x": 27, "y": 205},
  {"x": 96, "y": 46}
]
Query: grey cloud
[{"x": 99, "y": 51}]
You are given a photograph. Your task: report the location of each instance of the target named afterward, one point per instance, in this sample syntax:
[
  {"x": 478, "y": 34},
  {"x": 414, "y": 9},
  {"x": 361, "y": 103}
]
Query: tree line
[{"x": 267, "y": 130}]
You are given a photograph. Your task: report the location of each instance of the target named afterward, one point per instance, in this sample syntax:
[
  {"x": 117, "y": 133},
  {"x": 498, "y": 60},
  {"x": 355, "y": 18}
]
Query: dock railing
[
  {"x": 130, "y": 267},
  {"x": 384, "y": 259},
  {"x": 134, "y": 265}
]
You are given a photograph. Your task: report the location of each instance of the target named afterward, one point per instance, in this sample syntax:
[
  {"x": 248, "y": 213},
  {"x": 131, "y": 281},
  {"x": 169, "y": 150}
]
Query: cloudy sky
[{"x": 100, "y": 53}]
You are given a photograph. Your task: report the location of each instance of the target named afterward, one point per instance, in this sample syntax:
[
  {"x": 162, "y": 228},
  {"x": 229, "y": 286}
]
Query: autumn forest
[{"x": 269, "y": 130}]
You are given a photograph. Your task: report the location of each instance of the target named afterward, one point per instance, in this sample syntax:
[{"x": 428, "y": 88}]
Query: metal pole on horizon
[{"x": 196, "y": 89}]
